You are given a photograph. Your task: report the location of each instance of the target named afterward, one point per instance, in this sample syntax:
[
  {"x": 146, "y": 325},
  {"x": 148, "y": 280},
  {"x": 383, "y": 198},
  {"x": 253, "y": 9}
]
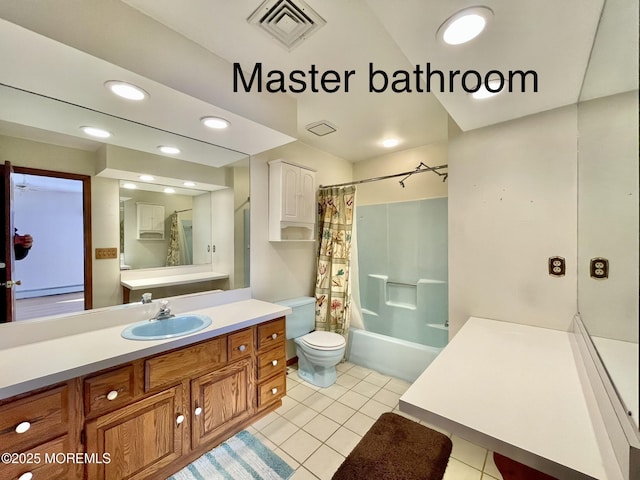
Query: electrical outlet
[
  {"x": 599, "y": 268},
  {"x": 557, "y": 266}
]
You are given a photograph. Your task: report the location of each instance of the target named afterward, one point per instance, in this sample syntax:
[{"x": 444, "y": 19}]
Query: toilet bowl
[{"x": 318, "y": 352}]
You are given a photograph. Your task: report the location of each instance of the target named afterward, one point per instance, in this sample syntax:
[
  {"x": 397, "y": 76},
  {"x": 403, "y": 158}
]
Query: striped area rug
[{"x": 241, "y": 457}]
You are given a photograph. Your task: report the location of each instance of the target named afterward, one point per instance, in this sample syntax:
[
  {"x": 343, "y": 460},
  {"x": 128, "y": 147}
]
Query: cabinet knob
[
  {"x": 274, "y": 390},
  {"x": 242, "y": 348},
  {"x": 23, "y": 427},
  {"x": 198, "y": 410},
  {"x": 274, "y": 336},
  {"x": 274, "y": 362},
  {"x": 179, "y": 419},
  {"x": 26, "y": 476},
  {"x": 112, "y": 395}
]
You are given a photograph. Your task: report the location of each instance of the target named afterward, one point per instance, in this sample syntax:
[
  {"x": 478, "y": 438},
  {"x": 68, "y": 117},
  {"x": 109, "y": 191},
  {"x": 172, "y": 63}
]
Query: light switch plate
[
  {"x": 599, "y": 268},
  {"x": 106, "y": 253},
  {"x": 557, "y": 266}
]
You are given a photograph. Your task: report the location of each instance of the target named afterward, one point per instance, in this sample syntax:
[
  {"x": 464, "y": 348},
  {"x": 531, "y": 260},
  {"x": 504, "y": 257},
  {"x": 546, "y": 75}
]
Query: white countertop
[
  {"x": 514, "y": 389},
  {"x": 167, "y": 280},
  {"x": 27, "y": 366}
]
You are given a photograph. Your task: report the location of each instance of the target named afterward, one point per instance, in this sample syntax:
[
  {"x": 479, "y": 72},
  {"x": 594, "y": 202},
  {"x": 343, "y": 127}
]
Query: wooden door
[
  {"x": 220, "y": 400},
  {"x": 140, "y": 439},
  {"x": 7, "y": 258}
]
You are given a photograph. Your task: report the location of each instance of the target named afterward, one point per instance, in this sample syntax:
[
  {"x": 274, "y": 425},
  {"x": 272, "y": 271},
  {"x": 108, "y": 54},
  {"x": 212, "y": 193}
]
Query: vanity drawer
[
  {"x": 271, "y": 334},
  {"x": 240, "y": 344},
  {"x": 39, "y": 417},
  {"x": 271, "y": 362},
  {"x": 272, "y": 390},
  {"x": 173, "y": 367},
  {"x": 42, "y": 462},
  {"x": 108, "y": 390}
]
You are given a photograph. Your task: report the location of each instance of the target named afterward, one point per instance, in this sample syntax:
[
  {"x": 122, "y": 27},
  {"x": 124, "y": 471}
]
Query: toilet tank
[{"x": 303, "y": 318}]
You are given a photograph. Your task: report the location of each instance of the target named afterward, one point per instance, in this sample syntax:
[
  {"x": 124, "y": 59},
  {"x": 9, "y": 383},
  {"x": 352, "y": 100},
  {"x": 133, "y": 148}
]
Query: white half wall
[{"x": 512, "y": 205}]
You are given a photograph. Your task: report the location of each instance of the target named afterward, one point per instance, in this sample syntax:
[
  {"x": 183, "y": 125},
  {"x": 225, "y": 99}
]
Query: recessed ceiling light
[
  {"x": 96, "y": 132},
  {"x": 129, "y": 186},
  {"x": 169, "y": 190},
  {"x": 189, "y": 184},
  {"x": 169, "y": 150},
  {"x": 126, "y": 90},
  {"x": 390, "y": 142},
  {"x": 146, "y": 178},
  {"x": 465, "y": 25},
  {"x": 495, "y": 87},
  {"x": 215, "y": 122}
]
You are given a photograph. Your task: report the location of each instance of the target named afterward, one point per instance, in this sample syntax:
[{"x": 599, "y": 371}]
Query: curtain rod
[
  {"x": 185, "y": 210},
  {"x": 403, "y": 174}
]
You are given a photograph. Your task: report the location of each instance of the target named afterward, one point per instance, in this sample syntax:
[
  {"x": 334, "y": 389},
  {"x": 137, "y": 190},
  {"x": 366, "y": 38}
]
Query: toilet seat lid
[{"x": 324, "y": 340}]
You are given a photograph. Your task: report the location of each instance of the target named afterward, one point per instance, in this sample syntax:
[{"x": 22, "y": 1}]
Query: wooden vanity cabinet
[
  {"x": 36, "y": 428},
  {"x": 170, "y": 408}
]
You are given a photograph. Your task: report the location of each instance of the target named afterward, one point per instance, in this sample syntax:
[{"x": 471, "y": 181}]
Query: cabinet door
[
  {"x": 139, "y": 439},
  {"x": 307, "y": 200},
  {"x": 290, "y": 193},
  {"x": 220, "y": 400}
]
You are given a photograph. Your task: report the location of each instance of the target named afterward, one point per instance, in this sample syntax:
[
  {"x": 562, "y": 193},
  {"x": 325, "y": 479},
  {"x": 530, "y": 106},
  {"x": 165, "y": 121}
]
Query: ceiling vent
[
  {"x": 288, "y": 21},
  {"x": 321, "y": 128}
]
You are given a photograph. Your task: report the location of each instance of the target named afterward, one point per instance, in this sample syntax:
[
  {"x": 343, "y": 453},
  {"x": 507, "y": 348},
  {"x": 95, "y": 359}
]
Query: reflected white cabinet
[
  {"x": 292, "y": 201},
  {"x": 150, "y": 222}
]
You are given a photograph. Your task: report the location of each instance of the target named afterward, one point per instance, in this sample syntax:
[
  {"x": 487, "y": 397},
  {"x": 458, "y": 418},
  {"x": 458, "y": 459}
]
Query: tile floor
[{"x": 315, "y": 428}]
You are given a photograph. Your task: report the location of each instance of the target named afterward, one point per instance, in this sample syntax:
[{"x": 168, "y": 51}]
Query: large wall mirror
[
  {"x": 158, "y": 212},
  {"x": 608, "y": 199}
]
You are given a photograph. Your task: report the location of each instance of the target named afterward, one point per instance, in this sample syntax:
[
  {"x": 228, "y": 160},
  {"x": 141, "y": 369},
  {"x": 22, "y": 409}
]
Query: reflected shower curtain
[
  {"x": 173, "y": 254},
  {"x": 335, "y": 226}
]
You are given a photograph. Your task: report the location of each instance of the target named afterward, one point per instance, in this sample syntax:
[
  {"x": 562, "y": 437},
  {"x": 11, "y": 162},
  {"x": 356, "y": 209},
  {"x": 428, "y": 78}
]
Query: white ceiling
[{"x": 552, "y": 38}]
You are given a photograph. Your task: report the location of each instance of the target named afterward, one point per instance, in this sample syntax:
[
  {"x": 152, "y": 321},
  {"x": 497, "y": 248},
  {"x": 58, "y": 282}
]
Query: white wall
[
  {"x": 512, "y": 205},
  {"x": 281, "y": 270}
]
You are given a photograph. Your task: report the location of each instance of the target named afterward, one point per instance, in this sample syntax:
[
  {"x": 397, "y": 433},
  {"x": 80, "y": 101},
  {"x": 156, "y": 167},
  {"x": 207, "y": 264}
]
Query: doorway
[{"x": 54, "y": 209}]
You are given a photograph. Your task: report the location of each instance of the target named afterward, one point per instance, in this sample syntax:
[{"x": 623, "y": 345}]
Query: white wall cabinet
[
  {"x": 292, "y": 201},
  {"x": 150, "y": 222}
]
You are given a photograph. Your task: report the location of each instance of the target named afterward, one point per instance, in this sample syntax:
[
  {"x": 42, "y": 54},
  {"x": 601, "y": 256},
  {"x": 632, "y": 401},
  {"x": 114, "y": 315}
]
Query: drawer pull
[
  {"x": 242, "y": 348},
  {"x": 26, "y": 476},
  {"x": 274, "y": 390},
  {"x": 23, "y": 427},
  {"x": 198, "y": 410},
  {"x": 112, "y": 395},
  {"x": 179, "y": 419},
  {"x": 274, "y": 362},
  {"x": 274, "y": 336}
]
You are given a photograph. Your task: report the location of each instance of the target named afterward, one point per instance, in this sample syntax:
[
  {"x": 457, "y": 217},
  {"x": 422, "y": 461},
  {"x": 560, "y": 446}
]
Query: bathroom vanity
[{"x": 146, "y": 409}]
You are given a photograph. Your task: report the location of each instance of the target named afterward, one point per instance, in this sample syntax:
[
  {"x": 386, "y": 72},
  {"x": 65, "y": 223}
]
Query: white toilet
[{"x": 318, "y": 352}]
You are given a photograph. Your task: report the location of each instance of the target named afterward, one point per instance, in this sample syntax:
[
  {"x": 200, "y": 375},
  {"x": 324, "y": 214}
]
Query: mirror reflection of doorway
[{"x": 52, "y": 275}]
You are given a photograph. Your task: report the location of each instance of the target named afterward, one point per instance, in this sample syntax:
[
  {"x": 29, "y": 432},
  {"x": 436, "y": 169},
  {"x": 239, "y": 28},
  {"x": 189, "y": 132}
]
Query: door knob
[{"x": 11, "y": 283}]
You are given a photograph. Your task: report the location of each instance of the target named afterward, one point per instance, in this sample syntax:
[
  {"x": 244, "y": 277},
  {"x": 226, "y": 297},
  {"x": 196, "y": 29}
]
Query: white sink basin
[{"x": 168, "y": 328}]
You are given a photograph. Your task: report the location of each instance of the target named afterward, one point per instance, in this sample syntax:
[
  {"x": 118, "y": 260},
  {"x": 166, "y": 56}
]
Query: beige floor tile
[
  {"x": 490, "y": 467},
  {"x": 346, "y": 380},
  {"x": 398, "y": 386},
  {"x": 374, "y": 409},
  {"x": 359, "y": 423},
  {"x": 300, "y": 392},
  {"x": 365, "y": 388},
  {"x": 338, "y": 412},
  {"x": 344, "y": 366},
  {"x": 264, "y": 421},
  {"x": 300, "y": 415},
  {"x": 460, "y": 471},
  {"x": 437, "y": 429},
  {"x": 377, "y": 379},
  {"x": 279, "y": 430},
  {"x": 359, "y": 372},
  {"x": 266, "y": 442},
  {"x": 318, "y": 401},
  {"x": 353, "y": 399},
  {"x": 287, "y": 404},
  {"x": 300, "y": 445},
  {"x": 468, "y": 453},
  {"x": 334, "y": 391},
  {"x": 321, "y": 427},
  {"x": 387, "y": 397},
  {"x": 302, "y": 473},
  {"x": 287, "y": 458},
  {"x": 343, "y": 441},
  {"x": 324, "y": 462}
]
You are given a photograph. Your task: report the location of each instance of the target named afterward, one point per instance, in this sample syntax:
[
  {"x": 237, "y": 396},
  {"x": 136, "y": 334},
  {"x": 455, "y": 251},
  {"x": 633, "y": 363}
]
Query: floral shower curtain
[
  {"x": 173, "y": 254},
  {"x": 335, "y": 226}
]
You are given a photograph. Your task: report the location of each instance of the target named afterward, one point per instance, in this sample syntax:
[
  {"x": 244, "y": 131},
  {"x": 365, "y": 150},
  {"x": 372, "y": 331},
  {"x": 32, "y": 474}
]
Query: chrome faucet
[{"x": 164, "y": 312}]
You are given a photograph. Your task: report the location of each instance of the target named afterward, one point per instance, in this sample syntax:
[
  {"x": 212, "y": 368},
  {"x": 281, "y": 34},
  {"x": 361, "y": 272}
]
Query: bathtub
[{"x": 388, "y": 355}]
